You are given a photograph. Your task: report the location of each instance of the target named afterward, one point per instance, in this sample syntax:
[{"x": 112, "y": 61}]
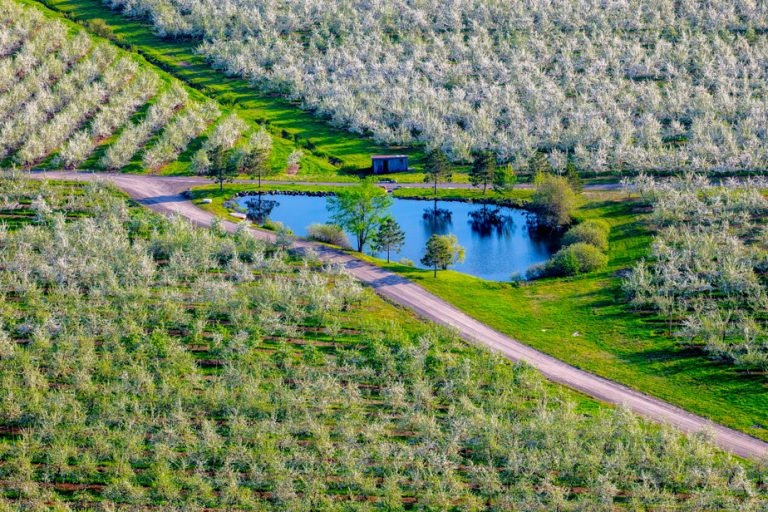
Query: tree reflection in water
[
  {"x": 259, "y": 209},
  {"x": 488, "y": 221},
  {"x": 437, "y": 220}
]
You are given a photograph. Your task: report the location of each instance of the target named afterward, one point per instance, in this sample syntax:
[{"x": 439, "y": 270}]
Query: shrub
[
  {"x": 554, "y": 201},
  {"x": 592, "y": 232},
  {"x": 578, "y": 258},
  {"x": 100, "y": 27},
  {"x": 328, "y": 233}
]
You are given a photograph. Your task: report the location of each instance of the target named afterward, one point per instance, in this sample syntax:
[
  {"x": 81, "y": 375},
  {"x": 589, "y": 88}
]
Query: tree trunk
[
  {"x": 221, "y": 185},
  {"x": 434, "y": 274},
  {"x": 387, "y": 254},
  {"x": 485, "y": 187}
]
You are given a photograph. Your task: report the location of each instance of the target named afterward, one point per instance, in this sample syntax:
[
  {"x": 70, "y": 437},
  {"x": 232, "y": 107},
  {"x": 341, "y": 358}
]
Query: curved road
[{"x": 163, "y": 195}]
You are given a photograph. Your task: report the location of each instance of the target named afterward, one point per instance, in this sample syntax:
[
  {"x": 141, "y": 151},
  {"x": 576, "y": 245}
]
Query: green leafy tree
[
  {"x": 255, "y": 159},
  {"x": 442, "y": 251},
  {"x": 437, "y": 168},
  {"x": 389, "y": 237},
  {"x": 504, "y": 178},
  {"x": 554, "y": 201},
  {"x": 572, "y": 175},
  {"x": 360, "y": 210},
  {"x": 538, "y": 164},
  {"x": 483, "y": 170},
  {"x": 221, "y": 168}
]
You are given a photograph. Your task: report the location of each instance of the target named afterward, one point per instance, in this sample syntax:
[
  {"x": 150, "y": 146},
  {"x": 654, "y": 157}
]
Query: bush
[
  {"x": 328, "y": 233},
  {"x": 554, "y": 201},
  {"x": 100, "y": 27},
  {"x": 578, "y": 258},
  {"x": 592, "y": 232}
]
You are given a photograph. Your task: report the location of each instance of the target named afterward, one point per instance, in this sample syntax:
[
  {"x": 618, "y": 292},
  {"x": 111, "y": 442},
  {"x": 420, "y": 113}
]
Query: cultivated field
[
  {"x": 150, "y": 363},
  {"x": 651, "y": 85}
]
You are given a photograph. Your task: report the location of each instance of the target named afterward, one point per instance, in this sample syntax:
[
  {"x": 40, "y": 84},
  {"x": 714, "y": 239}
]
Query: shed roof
[{"x": 378, "y": 157}]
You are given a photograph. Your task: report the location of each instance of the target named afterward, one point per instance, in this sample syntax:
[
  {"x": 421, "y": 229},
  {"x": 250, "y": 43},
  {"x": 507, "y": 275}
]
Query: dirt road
[{"x": 163, "y": 195}]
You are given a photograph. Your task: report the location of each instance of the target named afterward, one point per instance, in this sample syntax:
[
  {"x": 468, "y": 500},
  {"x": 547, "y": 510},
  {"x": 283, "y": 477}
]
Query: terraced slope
[
  {"x": 337, "y": 150},
  {"x": 70, "y": 99}
]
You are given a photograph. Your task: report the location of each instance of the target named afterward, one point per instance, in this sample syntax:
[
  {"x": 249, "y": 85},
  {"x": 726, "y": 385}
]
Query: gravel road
[{"x": 163, "y": 195}]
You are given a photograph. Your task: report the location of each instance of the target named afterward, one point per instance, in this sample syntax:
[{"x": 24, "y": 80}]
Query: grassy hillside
[{"x": 286, "y": 120}]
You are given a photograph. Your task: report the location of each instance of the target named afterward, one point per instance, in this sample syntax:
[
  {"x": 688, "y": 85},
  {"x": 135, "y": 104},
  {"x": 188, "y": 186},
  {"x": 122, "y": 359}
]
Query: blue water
[{"x": 496, "y": 239}]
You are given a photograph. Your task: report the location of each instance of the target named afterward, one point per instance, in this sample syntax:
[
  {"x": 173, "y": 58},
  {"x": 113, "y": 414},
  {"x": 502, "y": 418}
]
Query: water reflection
[
  {"x": 259, "y": 208},
  {"x": 498, "y": 240},
  {"x": 489, "y": 221},
  {"x": 437, "y": 221}
]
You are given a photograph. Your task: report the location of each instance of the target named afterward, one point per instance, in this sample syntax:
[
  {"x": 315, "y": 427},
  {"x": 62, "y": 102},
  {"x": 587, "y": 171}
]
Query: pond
[{"x": 497, "y": 240}]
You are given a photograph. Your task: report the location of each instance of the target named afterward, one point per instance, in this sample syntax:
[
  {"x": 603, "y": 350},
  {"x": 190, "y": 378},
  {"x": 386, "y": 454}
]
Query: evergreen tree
[
  {"x": 573, "y": 177},
  {"x": 483, "y": 170},
  {"x": 538, "y": 164},
  {"x": 437, "y": 168},
  {"x": 221, "y": 168},
  {"x": 504, "y": 178},
  {"x": 389, "y": 237}
]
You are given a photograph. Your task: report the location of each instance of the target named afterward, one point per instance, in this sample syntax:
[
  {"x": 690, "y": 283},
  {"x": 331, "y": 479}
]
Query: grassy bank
[{"x": 584, "y": 321}]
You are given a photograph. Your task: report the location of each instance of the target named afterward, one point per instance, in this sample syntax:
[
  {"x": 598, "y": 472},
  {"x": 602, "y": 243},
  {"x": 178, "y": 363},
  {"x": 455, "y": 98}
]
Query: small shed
[{"x": 383, "y": 164}]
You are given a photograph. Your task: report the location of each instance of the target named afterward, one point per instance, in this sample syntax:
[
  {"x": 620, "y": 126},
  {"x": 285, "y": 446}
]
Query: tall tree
[
  {"x": 255, "y": 159},
  {"x": 221, "y": 167},
  {"x": 442, "y": 251},
  {"x": 389, "y": 237},
  {"x": 504, "y": 178},
  {"x": 483, "y": 170},
  {"x": 437, "y": 168},
  {"x": 360, "y": 210},
  {"x": 538, "y": 164}
]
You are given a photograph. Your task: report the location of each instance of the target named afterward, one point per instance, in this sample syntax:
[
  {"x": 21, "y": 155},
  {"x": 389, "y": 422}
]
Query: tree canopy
[
  {"x": 360, "y": 210},
  {"x": 441, "y": 252}
]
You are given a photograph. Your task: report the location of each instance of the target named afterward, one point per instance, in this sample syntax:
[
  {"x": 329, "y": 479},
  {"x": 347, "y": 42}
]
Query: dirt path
[{"x": 163, "y": 195}]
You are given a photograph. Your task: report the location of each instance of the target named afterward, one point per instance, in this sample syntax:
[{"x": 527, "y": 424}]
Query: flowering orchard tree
[{"x": 640, "y": 85}]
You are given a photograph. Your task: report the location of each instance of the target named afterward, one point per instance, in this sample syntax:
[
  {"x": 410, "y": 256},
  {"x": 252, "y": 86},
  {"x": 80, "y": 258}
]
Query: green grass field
[
  {"x": 287, "y": 121},
  {"x": 585, "y": 321}
]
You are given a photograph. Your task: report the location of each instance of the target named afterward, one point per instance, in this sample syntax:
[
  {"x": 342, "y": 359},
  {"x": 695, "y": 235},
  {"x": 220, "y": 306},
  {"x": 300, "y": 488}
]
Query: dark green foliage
[
  {"x": 484, "y": 170},
  {"x": 538, "y": 163},
  {"x": 574, "y": 178},
  {"x": 437, "y": 169},
  {"x": 504, "y": 178},
  {"x": 389, "y": 237},
  {"x": 441, "y": 252}
]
